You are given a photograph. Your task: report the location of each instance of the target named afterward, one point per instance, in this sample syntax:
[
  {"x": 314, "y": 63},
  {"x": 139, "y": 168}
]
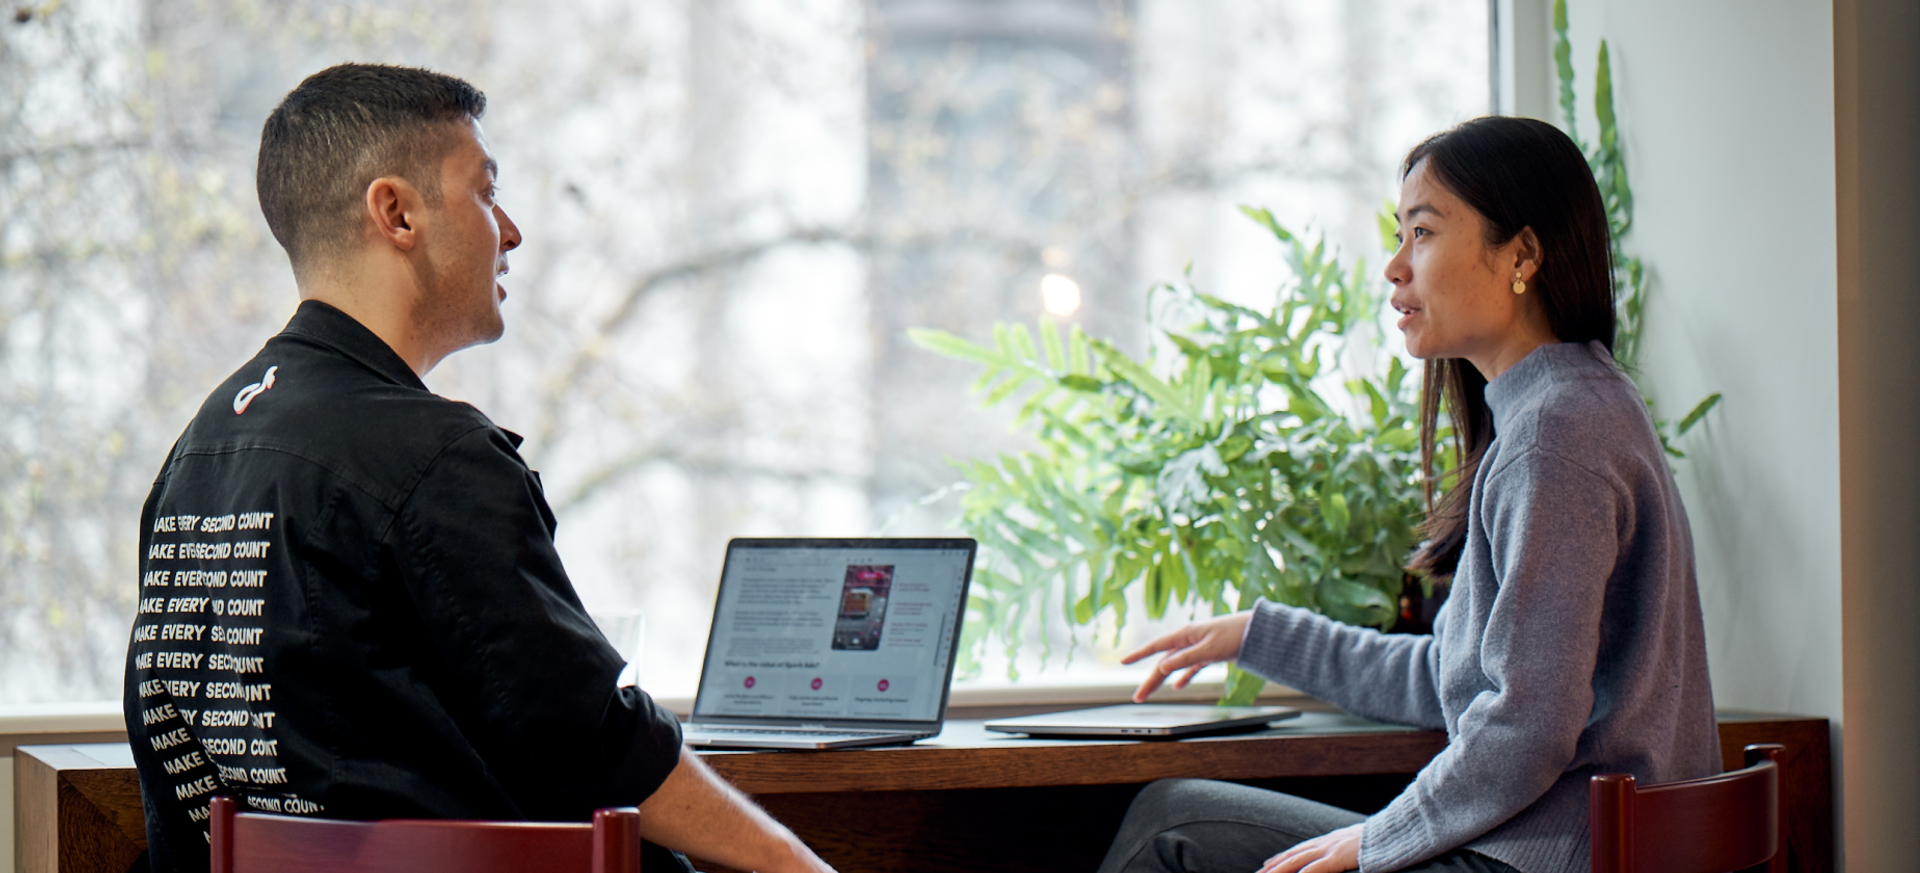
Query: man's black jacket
[{"x": 351, "y": 606}]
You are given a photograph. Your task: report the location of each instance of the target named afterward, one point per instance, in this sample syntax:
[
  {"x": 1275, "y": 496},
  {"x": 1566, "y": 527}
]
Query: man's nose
[{"x": 509, "y": 232}]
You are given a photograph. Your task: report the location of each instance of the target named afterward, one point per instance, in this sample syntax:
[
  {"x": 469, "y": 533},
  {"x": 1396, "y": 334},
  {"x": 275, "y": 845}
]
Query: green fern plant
[{"x": 1216, "y": 476}]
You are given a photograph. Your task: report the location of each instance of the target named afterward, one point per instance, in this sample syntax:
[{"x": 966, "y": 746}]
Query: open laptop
[
  {"x": 1133, "y": 721},
  {"x": 831, "y": 643}
]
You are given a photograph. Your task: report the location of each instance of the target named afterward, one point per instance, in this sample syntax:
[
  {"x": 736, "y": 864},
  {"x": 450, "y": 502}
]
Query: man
[{"x": 350, "y": 601}]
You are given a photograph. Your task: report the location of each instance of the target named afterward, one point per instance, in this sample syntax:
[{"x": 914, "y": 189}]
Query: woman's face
[{"x": 1454, "y": 293}]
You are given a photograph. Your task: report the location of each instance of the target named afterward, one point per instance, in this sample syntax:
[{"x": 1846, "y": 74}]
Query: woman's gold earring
[{"x": 1519, "y": 284}]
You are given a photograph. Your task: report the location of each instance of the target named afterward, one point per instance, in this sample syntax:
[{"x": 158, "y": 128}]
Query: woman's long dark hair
[{"x": 1517, "y": 173}]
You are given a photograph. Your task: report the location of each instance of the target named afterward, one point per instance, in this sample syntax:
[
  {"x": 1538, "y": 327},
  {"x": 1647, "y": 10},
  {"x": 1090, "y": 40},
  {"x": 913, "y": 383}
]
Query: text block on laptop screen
[{"x": 833, "y": 633}]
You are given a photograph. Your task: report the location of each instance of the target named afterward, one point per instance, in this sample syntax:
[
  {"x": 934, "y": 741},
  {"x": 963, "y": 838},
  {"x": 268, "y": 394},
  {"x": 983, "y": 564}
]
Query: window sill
[
  {"x": 33, "y": 724},
  {"x": 53, "y": 718}
]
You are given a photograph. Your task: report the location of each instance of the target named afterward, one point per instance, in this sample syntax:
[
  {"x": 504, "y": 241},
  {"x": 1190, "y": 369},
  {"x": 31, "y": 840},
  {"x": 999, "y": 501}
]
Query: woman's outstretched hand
[
  {"x": 1328, "y": 853},
  {"x": 1191, "y": 648}
]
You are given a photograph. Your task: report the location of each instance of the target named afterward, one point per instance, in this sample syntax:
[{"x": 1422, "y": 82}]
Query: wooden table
[{"x": 965, "y": 800}]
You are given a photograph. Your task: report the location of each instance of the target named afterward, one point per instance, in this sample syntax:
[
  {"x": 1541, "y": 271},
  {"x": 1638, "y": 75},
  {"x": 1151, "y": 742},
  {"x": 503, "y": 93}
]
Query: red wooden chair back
[
  {"x": 247, "y": 842},
  {"x": 1733, "y": 821}
]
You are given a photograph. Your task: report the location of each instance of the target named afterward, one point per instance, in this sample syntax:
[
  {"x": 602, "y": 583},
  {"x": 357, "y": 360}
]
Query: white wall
[
  {"x": 1727, "y": 114},
  {"x": 1727, "y": 111},
  {"x": 1771, "y": 144}
]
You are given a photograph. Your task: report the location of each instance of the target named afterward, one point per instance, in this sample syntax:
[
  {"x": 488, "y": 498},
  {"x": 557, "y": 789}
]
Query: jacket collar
[{"x": 337, "y": 330}]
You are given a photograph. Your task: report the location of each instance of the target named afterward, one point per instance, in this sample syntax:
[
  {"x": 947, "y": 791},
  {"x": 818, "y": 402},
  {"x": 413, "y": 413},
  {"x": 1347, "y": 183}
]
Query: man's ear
[{"x": 395, "y": 206}]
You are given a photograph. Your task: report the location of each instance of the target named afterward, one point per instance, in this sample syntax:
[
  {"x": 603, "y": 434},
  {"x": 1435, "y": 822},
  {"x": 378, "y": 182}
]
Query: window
[{"x": 733, "y": 210}]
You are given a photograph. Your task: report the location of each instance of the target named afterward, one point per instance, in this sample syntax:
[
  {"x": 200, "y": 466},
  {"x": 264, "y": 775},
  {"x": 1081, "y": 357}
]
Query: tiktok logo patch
[{"x": 245, "y": 398}]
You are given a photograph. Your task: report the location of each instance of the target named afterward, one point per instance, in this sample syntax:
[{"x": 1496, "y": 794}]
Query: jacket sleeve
[
  {"x": 1385, "y": 677},
  {"x": 532, "y": 674},
  {"x": 1553, "y": 527}
]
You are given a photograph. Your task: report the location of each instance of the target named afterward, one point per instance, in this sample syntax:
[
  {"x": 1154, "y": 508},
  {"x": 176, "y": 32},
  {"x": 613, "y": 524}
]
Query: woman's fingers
[
  {"x": 1190, "y": 648},
  {"x": 1176, "y": 643},
  {"x": 1297, "y": 858},
  {"x": 1156, "y": 677},
  {"x": 1149, "y": 685},
  {"x": 1192, "y": 659},
  {"x": 1281, "y": 863},
  {"x": 1167, "y": 666},
  {"x": 1334, "y": 852},
  {"x": 1174, "y": 640}
]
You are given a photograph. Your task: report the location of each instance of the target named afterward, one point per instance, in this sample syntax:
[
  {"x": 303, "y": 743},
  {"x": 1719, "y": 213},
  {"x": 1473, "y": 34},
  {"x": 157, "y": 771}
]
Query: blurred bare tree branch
[{"x": 733, "y": 210}]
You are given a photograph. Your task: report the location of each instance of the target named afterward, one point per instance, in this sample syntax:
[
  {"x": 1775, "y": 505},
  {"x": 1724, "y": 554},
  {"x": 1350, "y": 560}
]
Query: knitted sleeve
[{"x": 1385, "y": 677}]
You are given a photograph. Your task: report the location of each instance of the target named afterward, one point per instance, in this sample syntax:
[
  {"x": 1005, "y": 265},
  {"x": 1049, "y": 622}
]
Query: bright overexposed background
[{"x": 733, "y": 210}]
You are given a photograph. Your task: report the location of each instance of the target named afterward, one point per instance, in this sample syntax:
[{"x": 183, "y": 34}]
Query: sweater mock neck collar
[{"x": 1538, "y": 369}]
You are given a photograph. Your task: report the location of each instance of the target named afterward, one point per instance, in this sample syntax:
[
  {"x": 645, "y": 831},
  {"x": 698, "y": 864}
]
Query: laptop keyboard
[{"x": 792, "y": 732}]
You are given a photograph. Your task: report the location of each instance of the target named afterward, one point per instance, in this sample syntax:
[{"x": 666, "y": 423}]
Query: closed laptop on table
[{"x": 1133, "y": 721}]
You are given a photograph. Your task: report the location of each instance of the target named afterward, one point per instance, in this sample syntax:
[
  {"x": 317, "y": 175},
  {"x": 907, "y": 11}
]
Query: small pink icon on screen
[
  {"x": 749, "y": 682},
  {"x": 816, "y": 684},
  {"x": 883, "y": 684}
]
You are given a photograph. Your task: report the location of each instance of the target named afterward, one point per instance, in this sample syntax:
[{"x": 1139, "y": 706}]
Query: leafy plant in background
[
  {"x": 1240, "y": 463},
  {"x": 1231, "y": 473}
]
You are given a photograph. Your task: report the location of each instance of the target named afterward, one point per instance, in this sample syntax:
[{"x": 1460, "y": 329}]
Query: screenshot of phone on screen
[{"x": 833, "y": 633}]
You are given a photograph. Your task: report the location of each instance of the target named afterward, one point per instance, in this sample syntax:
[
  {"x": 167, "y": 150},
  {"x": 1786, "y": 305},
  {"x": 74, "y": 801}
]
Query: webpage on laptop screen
[{"x": 833, "y": 633}]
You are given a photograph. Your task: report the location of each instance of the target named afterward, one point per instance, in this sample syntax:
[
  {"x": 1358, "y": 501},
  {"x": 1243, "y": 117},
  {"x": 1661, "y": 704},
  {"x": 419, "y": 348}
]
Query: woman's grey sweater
[{"x": 1571, "y": 643}]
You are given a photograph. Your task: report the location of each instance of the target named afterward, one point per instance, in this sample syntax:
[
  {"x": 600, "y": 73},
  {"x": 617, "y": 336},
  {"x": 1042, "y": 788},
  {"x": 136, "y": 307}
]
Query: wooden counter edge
[
  {"x": 50, "y": 800},
  {"x": 935, "y": 768},
  {"x": 36, "y": 814},
  {"x": 74, "y": 813}
]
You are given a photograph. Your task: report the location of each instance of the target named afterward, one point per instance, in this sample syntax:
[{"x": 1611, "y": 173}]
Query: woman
[{"x": 1571, "y": 642}]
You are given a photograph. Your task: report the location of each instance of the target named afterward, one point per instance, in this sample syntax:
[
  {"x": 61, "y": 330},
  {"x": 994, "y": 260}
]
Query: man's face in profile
[{"x": 467, "y": 250}]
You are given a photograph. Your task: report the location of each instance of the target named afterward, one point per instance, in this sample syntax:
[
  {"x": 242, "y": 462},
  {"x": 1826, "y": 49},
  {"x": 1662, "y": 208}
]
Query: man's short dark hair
[{"x": 344, "y": 127}]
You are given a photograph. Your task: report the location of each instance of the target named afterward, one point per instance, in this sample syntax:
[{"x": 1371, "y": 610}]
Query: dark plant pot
[{"x": 1417, "y": 607}]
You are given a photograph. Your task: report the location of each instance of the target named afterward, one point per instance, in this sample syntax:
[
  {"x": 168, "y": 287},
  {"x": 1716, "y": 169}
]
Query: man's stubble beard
[{"x": 454, "y": 316}]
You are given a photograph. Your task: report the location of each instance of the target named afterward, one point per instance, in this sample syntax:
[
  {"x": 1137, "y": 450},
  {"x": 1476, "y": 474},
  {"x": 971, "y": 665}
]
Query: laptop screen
[{"x": 824, "y": 630}]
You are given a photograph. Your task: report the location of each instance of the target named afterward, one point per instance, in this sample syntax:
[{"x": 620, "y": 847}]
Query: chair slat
[
  {"x": 1720, "y": 823},
  {"x": 250, "y": 842}
]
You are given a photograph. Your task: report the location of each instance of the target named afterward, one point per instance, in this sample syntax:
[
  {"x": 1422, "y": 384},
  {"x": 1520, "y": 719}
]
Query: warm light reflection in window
[{"x": 1060, "y": 295}]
